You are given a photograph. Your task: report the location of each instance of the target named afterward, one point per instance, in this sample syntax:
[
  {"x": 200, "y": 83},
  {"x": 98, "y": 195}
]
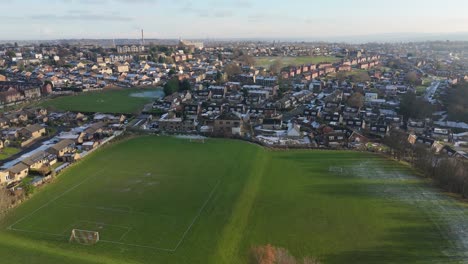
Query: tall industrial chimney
[{"x": 142, "y": 38}]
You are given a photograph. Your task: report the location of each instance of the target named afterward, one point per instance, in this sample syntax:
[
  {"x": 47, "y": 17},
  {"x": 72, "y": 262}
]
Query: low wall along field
[{"x": 169, "y": 200}]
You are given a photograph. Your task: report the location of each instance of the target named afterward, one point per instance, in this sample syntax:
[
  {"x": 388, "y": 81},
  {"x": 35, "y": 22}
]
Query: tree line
[
  {"x": 448, "y": 173},
  {"x": 457, "y": 103}
]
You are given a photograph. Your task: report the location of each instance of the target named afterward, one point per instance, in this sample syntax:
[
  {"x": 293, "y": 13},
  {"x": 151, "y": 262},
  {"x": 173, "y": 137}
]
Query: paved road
[{"x": 431, "y": 90}]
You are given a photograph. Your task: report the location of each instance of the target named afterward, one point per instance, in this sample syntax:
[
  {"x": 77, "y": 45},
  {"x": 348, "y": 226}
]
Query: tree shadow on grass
[
  {"x": 421, "y": 244},
  {"x": 414, "y": 237}
]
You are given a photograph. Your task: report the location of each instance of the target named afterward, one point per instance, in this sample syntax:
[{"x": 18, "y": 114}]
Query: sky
[{"x": 220, "y": 19}]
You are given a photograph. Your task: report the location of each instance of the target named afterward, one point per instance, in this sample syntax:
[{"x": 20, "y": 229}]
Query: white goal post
[{"x": 84, "y": 237}]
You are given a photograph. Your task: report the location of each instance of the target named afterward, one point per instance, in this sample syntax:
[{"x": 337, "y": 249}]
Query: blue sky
[{"x": 54, "y": 19}]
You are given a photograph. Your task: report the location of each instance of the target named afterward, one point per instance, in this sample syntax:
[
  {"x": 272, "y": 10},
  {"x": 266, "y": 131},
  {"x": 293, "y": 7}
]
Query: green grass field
[
  {"x": 351, "y": 73},
  {"x": 167, "y": 200},
  {"x": 286, "y": 61},
  {"x": 111, "y": 101},
  {"x": 8, "y": 152}
]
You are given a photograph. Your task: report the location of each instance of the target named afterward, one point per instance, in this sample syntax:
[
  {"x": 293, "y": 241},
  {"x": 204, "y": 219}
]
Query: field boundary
[
  {"x": 51, "y": 201},
  {"x": 180, "y": 241}
]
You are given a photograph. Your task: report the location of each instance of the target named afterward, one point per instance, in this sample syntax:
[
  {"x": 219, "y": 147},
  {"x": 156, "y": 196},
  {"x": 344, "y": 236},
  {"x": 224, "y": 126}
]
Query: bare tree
[
  {"x": 232, "y": 69},
  {"x": 341, "y": 76},
  {"x": 6, "y": 201},
  {"x": 263, "y": 254},
  {"x": 276, "y": 66},
  {"x": 283, "y": 257},
  {"x": 412, "y": 77},
  {"x": 360, "y": 77},
  {"x": 247, "y": 60},
  {"x": 398, "y": 142},
  {"x": 356, "y": 100},
  {"x": 276, "y": 255}
]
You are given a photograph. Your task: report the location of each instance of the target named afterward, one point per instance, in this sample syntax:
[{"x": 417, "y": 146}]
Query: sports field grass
[
  {"x": 295, "y": 61},
  {"x": 111, "y": 101},
  {"x": 167, "y": 200}
]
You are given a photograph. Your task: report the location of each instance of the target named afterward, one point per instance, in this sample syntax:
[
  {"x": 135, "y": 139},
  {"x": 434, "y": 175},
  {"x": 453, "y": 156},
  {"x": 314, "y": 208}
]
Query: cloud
[
  {"x": 269, "y": 17},
  {"x": 232, "y": 4},
  {"x": 82, "y": 16},
  {"x": 10, "y": 18},
  {"x": 212, "y": 9},
  {"x": 214, "y": 13},
  {"x": 105, "y": 2}
]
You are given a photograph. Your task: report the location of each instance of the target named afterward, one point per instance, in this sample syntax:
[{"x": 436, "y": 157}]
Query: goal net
[{"x": 85, "y": 237}]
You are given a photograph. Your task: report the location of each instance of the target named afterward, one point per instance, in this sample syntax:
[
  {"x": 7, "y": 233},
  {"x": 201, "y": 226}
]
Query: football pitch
[
  {"x": 168, "y": 200},
  {"x": 294, "y": 61},
  {"x": 123, "y": 201},
  {"x": 108, "y": 101}
]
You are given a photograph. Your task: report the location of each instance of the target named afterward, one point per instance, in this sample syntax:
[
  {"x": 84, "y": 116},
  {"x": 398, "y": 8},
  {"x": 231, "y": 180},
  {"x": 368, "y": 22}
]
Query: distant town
[{"x": 372, "y": 97}]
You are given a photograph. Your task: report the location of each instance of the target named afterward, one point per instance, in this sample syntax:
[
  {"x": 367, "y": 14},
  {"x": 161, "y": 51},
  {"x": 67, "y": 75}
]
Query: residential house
[
  {"x": 33, "y": 131},
  {"x": 17, "y": 172},
  {"x": 169, "y": 122},
  {"x": 331, "y": 106},
  {"x": 3, "y": 122},
  {"x": 10, "y": 134},
  {"x": 351, "y": 112},
  {"x": 416, "y": 126},
  {"x": 379, "y": 129},
  {"x": 39, "y": 159},
  {"x": 192, "y": 110},
  {"x": 89, "y": 145},
  {"x": 217, "y": 92},
  {"x": 228, "y": 124},
  {"x": 239, "y": 108},
  {"x": 335, "y": 139},
  {"x": 441, "y": 134},
  {"x": 62, "y": 147},
  {"x": 335, "y": 118},
  {"x": 428, "y": 142},
  {"x": 272, "y": 123},
  {"x": 10, "y": 96},
  {"x": 356, "y": 123},
  {"x": 294, "y": 130},
  {"x": 314, "y": 112},
  {"x": 4, "y": 177}
]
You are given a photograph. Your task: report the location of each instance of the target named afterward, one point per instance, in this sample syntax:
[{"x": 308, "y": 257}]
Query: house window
[
  {"x": 220, "y": 122},
  {"x": 331, "y": 138}
]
